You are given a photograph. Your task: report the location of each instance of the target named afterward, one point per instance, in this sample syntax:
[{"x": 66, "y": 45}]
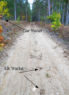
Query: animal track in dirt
[
  {"x": 42, "y": 92},
  {"x": 35, "y": 50},
  {"x": 34, "y": 30},
  {"x": 36, "y": 56},
  {"x": 26, "y": 30},
  {"x": 35, "y": 42}
]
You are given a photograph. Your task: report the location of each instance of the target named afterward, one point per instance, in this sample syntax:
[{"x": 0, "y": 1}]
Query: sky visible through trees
[{"x": 31, "y": 2}]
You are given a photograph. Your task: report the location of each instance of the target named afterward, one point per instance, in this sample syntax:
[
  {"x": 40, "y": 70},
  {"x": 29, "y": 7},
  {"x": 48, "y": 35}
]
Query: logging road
[{"x": 31, "y": 50}]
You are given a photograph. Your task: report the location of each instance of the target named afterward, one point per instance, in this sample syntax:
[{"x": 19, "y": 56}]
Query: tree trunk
[
  {"x": 26, "y": 10},
  {"x": 49, "y": 7},
  {"x": 15, "y": 13},
  {"x": 66, "y": 22},
  {"x": 39, "y": 15},
  {"x": 66, "y": 11},
  {"x": 67, "y": 14},
  {"x": 52, "y": 6}
]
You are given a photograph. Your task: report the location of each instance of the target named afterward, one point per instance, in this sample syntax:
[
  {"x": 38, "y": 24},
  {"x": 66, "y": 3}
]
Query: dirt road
[{"x": 31, "y": 50}]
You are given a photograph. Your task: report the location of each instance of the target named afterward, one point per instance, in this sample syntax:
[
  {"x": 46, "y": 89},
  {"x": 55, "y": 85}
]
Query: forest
[
  {"x": 48, "y": 7},
  {"x": 20, "y": 10},
  {"x": 53, "y": 14}
]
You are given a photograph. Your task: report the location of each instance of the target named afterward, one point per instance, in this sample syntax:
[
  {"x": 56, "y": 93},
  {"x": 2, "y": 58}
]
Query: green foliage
[
  {"x": 42, "y": 18},
  {"x": 18, "y": 19},
  {"x": 4, "y": 11},
  {"x": 55, "y": 19}
]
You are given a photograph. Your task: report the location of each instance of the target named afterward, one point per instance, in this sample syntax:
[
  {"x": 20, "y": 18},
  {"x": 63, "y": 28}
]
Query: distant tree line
[
  {"x": 20, "y": 10},
  {"x": 43, "y": 8}
]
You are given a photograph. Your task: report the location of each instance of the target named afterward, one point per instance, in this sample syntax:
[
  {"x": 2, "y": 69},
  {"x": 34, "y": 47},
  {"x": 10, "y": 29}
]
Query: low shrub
[{"x": 55, "y": 19}]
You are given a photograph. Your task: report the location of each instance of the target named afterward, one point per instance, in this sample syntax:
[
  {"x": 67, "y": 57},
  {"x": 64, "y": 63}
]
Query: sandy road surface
[{"x": 31, "y": 50}]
